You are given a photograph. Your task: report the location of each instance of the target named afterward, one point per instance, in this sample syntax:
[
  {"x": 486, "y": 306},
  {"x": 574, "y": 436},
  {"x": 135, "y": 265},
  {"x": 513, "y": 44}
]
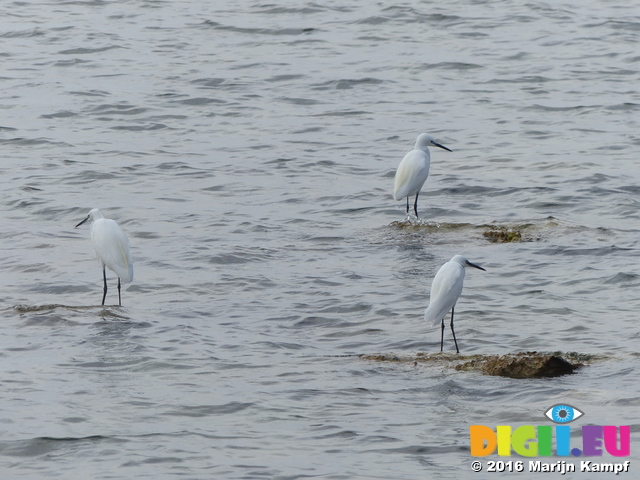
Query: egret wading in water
[
  {"x": 414, "y": 170},
  {"x": 445, "y": 291},
  {"x": 112, "y": 248}
]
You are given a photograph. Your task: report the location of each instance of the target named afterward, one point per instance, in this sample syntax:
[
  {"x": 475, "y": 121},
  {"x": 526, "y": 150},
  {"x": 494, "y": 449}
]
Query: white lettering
[
  {"x": 560, "y": 467},
  {"x": 589, "y": 466}
]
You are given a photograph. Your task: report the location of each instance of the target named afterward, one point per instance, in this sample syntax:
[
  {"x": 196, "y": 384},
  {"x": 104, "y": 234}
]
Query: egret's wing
[
  {"x": 411, "y": 174},
  {"x": 113, "y": 248},
  {"x": 445, "y": 291}
]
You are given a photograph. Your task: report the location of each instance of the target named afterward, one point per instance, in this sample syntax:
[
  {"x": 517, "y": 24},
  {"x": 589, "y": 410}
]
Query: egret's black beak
[
  {"x": 441, "y": 146},
  {"x": 475, "y": 266},
  {"x": 82, "y": 222}
]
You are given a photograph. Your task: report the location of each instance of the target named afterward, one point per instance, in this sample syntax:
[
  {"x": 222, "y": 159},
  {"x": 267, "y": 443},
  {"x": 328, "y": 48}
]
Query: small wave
[
  {"x": 260, "y": 31},
  {"x": 60, "y": 114},
  {"x": 118, "y": 109},
  {"x": 29, "y": 142},
  {"x": 209, "y": 410},
  {"x": 33, "y": 32},
  {"x": 346, "y": 83},
  {"x": 85, "y": 51},
  {"x": 39, "y": 446}
]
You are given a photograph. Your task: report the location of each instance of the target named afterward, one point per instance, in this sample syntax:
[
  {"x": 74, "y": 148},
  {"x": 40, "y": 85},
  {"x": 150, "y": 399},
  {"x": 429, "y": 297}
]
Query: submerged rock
[
  {"x": 22, "y": 308},
  {"x": 513, "y": 365},
  {"x": 424, "y": 225},
  {"x": 502, "y": 234},
  {"x": 495, "y": 232},
  {"x": 521, "y": 365}
]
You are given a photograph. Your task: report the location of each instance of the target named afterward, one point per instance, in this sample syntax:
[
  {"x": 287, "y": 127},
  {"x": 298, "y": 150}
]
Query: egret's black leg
[
  {"x": 415, "y": 205},
  {"x": 104, "y": 275},
  {"x": 119, "y": 298},
  {"x": 454, "y": 333},
  {"x": 407, "y": 205},
  {"x": 442, "y": 334}
]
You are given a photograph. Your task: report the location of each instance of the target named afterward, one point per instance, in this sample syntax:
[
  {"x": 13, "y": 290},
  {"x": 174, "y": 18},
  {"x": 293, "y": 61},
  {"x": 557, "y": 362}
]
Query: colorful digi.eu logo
[{"x": 532, "y": 441}]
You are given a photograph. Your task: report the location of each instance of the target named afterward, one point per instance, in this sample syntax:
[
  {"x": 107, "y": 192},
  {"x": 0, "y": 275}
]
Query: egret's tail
[
  {"x": 129, "y": 279},
  {"x": 400, "y": 192},
  {"x": 429, "y": 317}
]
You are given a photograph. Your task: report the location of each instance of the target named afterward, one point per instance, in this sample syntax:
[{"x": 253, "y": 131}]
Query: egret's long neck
[{"x": 421, "y": 146}]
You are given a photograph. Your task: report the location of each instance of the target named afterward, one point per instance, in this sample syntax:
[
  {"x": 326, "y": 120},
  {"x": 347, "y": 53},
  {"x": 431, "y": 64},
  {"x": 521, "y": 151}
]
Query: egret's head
[
  {"x": 425, "y": 140},
  {"x": 466, "y": 263},
  {"x": 93, "y": 216}
]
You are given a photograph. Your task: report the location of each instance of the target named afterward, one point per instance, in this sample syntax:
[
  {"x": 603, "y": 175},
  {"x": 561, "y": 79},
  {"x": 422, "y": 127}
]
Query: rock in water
[{"x": 521, "y": 365}]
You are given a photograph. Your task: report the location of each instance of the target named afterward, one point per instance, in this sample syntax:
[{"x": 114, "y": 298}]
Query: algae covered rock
[
  {"x": 512, "y": 365},
  {"x": 503, "y": 234},
  {"x": 521, "y": 365}
]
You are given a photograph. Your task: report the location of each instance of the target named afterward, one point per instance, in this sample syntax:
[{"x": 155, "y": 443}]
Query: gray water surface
[{"x": 248, "y": 150}]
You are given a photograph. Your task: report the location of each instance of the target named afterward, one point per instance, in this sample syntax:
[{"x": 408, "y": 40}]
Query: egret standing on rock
[
  {"x": 414, "y": 170},
  {"x": 112, "y": 247},
  {"x": 445, "y": 291}
]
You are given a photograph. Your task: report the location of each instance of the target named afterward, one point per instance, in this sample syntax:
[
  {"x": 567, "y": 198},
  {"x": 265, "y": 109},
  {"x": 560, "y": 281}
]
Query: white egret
[
  {"x": 414, "y": 170},
  {"x": 445, "y": 291},
  {"x": 112, "y": 248}
]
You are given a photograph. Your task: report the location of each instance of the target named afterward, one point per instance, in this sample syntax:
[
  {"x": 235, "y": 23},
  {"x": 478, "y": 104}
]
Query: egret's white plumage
[
  {"x": 414, "y": 170},
  {"x": 445, "y": 291},
  {"x": 112, "y": 248}
]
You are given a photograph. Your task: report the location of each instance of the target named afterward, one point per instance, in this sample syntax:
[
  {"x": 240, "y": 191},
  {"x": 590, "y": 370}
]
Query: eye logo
[{"x": 563, "y": 414}]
